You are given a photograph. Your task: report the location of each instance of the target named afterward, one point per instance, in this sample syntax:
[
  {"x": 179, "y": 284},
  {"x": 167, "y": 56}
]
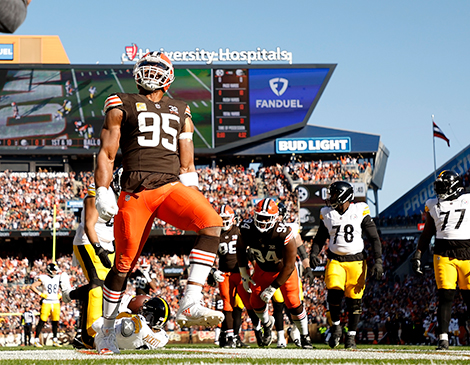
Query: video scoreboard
[{"x": 59, "y": 109}]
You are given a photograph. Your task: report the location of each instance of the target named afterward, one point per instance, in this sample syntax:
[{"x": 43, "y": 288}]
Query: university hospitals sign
[{"x": 133, "y": 53}]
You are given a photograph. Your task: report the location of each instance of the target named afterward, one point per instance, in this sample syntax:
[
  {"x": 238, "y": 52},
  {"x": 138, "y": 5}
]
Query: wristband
[
  {"x": 189, "y": 179},
  {"x": 275, "y": 284},
  {"x": 302, "y": 252},
  {"x": 186, "y": 135}
]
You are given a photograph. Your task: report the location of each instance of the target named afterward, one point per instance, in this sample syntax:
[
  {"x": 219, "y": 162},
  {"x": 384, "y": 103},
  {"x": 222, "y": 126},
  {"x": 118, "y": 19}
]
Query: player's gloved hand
[
  {"x": 210, "y": 278},
  {"x": 103, "y": 255},
  {"x": 416, "y": 263},
  {"x": 246, "y": 279},
  {"x": 106, "y": 203},
  {"x": 44, "y": 295},
  {"x": 267, "y": 293},
  {"x": 314, "y": 261},
  {"x": 223, "y": 248},
  {"x": 308, "y": 274},
  {"x": 377, "y": 270},
  {"x": 218, "y": 276}
]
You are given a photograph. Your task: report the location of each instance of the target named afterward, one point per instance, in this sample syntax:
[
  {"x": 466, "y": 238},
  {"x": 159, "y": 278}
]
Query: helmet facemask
[
  {"x": 448, "y": 185},
  {"x": 154, "y": 71},
  {"x": 265, "y": 222}
]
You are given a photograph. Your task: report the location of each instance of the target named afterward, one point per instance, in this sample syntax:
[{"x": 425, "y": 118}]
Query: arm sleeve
[
  {"x": 319, "y": 240},
  {"x": 12, "y": 15},
  {"x": 370, "y": 231}
]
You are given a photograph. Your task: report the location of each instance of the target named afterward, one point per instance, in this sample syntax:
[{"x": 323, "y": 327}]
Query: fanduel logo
[
  {"x": 274, "y": 84},
  {"x": 6, "y": 52}
]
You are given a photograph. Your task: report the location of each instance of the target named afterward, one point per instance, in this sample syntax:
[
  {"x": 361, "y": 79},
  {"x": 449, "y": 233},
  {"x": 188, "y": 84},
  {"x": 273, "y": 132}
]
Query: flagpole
[{"x": 434, "y": 147}]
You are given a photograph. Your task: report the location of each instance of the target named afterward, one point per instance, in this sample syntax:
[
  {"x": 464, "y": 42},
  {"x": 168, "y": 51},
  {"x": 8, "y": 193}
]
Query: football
[{"x": 136, "y": 303}]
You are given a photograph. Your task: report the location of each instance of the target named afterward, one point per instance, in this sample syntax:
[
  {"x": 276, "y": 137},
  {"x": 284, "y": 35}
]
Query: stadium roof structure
[
  {"x": 320, "y": 143},
  {"x": 413, "y": 201}
]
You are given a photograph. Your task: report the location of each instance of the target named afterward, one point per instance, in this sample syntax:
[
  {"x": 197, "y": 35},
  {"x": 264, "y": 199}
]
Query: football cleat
[
  {"x": 281, "y": 342},
  {"x": 267, "y": 338},
  {"x": 240, "y": 343},
  {"x": 36, "y": 342},
  {"x": 350, "y": 342},
  {"x": 442, "y": 345},
  {"x": 191, "y": 313},
  {"x": 336, "y": 332},
  {"x": 294, "y": 335},
  {"x": 259, "y": 337},
  {"x": 230, "y": 343},
  {"x": 305, "y": 341},
  {"x": 55, "y": 342}
]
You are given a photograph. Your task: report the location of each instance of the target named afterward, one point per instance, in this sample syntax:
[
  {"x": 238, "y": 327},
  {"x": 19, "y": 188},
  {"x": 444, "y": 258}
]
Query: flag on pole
[{"x": 439, "y": 133}]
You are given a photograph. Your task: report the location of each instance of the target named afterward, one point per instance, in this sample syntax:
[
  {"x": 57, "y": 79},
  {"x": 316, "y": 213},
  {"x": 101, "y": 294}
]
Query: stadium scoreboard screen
[{"x": 54, "y": 109}]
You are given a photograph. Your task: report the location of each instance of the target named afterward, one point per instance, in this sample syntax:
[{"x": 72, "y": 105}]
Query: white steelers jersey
[
  {"x": 104, "y": 229},
  {"x": 451, "y": 217},
  {"x": 345, "y": 230},
  {"x": 50, "y": 287},
  {"x": 133, "y": 332}
]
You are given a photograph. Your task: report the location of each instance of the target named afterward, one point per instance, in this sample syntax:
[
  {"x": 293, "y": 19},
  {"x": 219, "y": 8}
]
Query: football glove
[
  {"x": 308, "y": 274},
  {"x": 218, "y": 276},
  {"x": 103, "y": 255},
  {"x": 246, "y": 279},
  {"x": 314, "y": 262},
  {"x": 267, "y": 294},
  {"x": 377, "y": 270},
  {"x": 106, "y": 203},
  {"x": 416, "y": 263}
]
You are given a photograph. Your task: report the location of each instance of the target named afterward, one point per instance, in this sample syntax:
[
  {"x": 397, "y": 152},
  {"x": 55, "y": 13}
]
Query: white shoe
[
  {"x": 37, "y": 343},
  {"x": 105, "y": 341},
  {"x": 55, "y": 342},
  {"x": 294, "y": 335},
  {"x": 281, "y": 343},
  {"x": 191, "y": 313}
]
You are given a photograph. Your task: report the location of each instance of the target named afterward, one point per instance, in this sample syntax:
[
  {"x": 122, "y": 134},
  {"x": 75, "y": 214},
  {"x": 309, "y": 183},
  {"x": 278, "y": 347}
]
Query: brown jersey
[
  {"x": 228, "y": 250},
  {"x": 267, "y": 247},
  {"x": 149, "y": 138}
]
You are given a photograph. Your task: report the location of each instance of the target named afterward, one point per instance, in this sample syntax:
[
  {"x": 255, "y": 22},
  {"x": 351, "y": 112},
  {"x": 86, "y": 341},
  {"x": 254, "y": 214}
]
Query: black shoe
[
  {"x": 296, "y": 341},
  {"x": 259, "y": 338},
  {"x": 349, "y": 342},
  {"x": 442, "y": 345},
  {"x": 305, "y": 341},
  {"x": 77, "y": 342},
  {"x": 240, "y": 343},
  {"x": 336, "y": 332},
  {"x": 267, "y": 332},
  {"x": 230, "y": 343},
  {"x": 222, "y": 339}
]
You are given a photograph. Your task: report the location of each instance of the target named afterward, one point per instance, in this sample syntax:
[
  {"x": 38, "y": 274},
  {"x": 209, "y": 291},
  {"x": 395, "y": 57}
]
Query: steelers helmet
[
  {"x": 156, "y": 312},
  {"x": 339, "y": 192},
  {"x": 228, "y": 216},
  {"x": 266, "y": 214},
  {"x": 448, "y": 185},
  {"x": 154, "y": 71},
  {"x": 52, "y": 269}
]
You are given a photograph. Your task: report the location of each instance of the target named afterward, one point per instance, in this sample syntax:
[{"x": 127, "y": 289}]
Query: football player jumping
[
  {"x": 344, "y": 223},
  {"x": 275, "y": 252},
  {"x": 446, "y": 218},
  {"x": 159, "y": 180}
]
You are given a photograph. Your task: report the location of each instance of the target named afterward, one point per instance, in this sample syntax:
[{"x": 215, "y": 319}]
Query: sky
[{"x": 398, "y": 62}]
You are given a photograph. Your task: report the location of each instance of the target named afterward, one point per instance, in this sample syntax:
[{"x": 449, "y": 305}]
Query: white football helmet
[
  {"x": 228, "y": 217},
  {"x": 266, "y": 214},
  {"x": 154, "y": 71}
]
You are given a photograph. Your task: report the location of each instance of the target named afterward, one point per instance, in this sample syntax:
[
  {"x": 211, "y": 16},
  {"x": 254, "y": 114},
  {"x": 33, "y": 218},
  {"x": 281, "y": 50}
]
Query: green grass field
[{"x": 207, "y": 354}]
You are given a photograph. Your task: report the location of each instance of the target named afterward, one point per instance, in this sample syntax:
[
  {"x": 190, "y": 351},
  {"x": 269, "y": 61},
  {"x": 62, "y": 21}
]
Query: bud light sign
[{"x": 313, "y": 145}]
